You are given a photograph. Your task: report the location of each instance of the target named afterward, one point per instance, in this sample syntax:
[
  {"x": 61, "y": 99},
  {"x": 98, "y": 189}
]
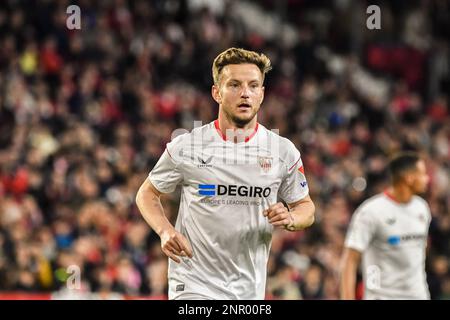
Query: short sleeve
[
  {"x": 294, "y": 186},
  {"x": 429, "y": 217},
  {"x": 167, "y": 173},
  {"x": 361, "y": 230}
]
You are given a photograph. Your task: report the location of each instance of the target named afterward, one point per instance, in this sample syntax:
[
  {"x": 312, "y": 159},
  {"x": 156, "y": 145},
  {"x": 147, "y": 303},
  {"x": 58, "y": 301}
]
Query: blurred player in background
[
  {"x": 232, "y": 172},
  {"x": 390, "y": 232}
]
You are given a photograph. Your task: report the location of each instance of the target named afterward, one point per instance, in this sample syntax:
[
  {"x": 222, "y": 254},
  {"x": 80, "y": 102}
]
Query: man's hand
[
  {"x": 279, "y": 216},
  {"x": 174, "y": 244}
]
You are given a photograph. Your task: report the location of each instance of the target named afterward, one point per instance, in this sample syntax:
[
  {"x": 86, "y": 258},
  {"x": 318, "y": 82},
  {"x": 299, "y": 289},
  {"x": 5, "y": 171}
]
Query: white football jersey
[
  {"x": 392, "y": 238},
  {"x": 225, "y": 187}
]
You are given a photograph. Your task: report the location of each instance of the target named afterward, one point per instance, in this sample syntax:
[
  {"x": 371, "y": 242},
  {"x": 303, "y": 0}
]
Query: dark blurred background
[{"x": 85, "y": 115}]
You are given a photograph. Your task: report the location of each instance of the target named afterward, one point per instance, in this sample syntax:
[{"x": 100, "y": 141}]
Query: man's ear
[
  {"x": 216, "y": 94},
  {"x": 409, "y": 177}
]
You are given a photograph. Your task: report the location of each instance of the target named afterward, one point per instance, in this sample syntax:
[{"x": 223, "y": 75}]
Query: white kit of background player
[{"x": 392, "y": 237}]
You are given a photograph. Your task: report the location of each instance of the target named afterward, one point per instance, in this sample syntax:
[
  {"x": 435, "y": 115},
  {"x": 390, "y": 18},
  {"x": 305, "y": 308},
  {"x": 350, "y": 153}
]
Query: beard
[{"x": 240, "y": 121}]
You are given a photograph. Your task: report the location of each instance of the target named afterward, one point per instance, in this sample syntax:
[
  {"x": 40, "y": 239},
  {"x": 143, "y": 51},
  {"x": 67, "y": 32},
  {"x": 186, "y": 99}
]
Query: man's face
[
  {"x": 239, "y": 92},
  {"x": 418, "y": 179}
]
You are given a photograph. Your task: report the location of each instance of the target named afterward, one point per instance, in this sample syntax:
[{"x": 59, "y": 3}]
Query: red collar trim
[
  {"x": 216, "y": 125},
  {"x": 390, "y": 196}
]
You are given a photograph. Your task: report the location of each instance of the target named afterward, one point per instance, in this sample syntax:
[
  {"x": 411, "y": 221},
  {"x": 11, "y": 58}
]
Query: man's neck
[
  {"x": 237, "y": 133},
  {"x": 400, "y": 193}
]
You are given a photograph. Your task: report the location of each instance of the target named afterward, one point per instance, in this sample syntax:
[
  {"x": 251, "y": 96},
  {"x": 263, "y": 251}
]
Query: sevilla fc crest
[{"x": 265, "y": 163}]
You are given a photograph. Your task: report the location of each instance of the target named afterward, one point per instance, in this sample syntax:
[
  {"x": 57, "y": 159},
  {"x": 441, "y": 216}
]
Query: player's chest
[
  {"x": 403, "y": 228},
  {"x": 224, "y": 164}
]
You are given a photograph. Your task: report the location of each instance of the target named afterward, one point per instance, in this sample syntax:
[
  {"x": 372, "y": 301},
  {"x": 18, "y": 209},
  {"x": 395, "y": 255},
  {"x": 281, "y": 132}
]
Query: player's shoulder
[
  {"x": 419, "y": 201},
  {"x": 287, "y": 151},
  {"x": 184, "y": 139},
  {"x": 284, "y": 142},
  {"x": 372, "y": 205}
]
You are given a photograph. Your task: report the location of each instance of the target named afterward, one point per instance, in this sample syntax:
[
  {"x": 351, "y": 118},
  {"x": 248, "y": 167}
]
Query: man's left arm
[
  {"x": 298, "y": 216},
  {"x": 302, "y": 213}
]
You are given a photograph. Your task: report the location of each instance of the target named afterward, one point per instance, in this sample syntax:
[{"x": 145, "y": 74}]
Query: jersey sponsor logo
[
  {"x": 207, "y": 190},
  {"x": 211, "y": 190},
  {"x": 396, "y": 240},
  {"x": 303, "y": 184}
]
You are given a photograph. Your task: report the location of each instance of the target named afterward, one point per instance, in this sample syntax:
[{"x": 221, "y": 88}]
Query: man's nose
[{"x": 245, "y": 93}]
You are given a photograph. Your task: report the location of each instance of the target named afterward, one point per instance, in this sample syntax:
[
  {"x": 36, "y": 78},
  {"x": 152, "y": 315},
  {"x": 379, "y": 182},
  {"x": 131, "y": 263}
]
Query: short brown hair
[{"x": 239, "y": 56}]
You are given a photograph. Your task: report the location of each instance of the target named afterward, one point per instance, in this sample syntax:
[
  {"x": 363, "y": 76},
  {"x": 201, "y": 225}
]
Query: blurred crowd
[{"x": 85, "y": 115}]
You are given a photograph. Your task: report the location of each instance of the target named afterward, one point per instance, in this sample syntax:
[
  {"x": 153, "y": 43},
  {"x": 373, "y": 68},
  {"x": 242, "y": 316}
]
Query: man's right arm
[
  {"x": 173, "y": 243},
  {"x": 361, "y": 231},
  {"x": 350, "y": 263}
]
